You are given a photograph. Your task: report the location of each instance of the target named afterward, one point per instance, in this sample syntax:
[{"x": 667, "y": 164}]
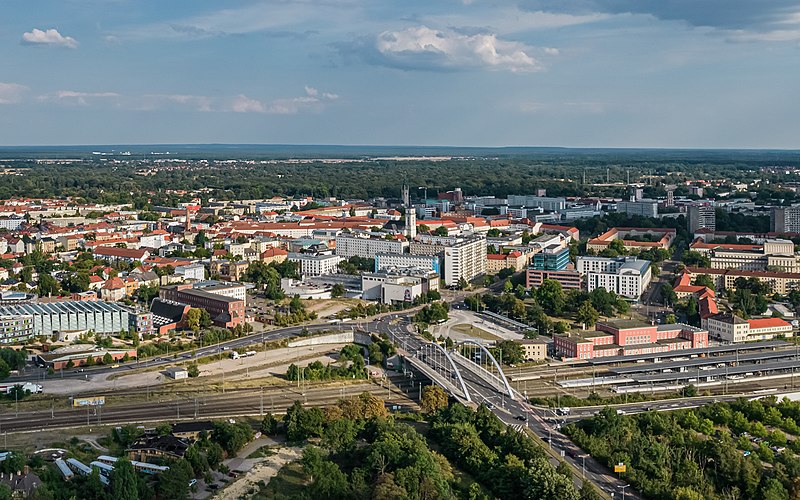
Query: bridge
[{"x": 472, "y": 374}]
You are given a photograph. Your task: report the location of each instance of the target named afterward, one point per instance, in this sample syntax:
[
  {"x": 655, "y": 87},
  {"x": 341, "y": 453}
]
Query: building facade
[
  {"x": 628, "y": 337},
  {"x": 353, "y": 244},
  {"x": 702, "y": 217},
  {"x": 49, "y": 318},
  {"x": 316, "y": 265},
  {"x": 626, "y": 276}
]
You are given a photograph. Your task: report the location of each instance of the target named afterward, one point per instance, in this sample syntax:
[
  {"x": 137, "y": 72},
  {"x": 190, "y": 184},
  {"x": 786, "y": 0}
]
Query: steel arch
[
  {"x": 453, "y": 365},
  {"x": 496, "y": 365}
]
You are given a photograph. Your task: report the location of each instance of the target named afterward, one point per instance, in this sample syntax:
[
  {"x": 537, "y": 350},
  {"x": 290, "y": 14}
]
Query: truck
[{"x": 26, "y": 386}]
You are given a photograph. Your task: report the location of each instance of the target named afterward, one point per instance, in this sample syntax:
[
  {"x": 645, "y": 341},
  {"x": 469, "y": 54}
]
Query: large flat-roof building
[
  {"x": 52, "y": 317},
  {"x": 406, "y": 260},
  {"x": 773, "y": 254}
]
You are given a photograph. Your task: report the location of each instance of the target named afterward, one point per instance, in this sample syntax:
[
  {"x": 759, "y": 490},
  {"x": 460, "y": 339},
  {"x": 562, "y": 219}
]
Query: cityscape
[{"x": 350, "y": 249}]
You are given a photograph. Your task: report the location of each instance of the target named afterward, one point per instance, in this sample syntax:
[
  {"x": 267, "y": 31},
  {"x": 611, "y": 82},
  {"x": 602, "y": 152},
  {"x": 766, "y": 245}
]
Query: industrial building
[
  {"x": 225, "y": 311},
  {"x": 52, "y": 317}
]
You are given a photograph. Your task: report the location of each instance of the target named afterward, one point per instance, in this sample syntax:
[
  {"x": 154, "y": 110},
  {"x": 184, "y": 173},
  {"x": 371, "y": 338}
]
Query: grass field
[{"x": 476, "y": 332}]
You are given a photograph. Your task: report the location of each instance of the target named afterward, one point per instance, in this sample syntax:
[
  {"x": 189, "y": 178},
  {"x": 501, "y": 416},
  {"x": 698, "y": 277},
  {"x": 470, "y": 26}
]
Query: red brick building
[{"x": 628, "y": 337}]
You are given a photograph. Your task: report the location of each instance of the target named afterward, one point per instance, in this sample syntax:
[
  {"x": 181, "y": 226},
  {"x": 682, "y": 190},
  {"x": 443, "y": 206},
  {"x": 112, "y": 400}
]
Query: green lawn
[{"x": 289, "y": 483}]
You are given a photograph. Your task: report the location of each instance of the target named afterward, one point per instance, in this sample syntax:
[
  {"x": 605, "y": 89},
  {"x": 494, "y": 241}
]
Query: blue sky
[{"x": 582, "y": 73}]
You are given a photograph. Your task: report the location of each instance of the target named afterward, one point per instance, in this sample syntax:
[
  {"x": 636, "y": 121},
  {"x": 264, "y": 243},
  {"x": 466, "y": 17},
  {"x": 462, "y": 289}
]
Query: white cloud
[
  {"x": 422, "y": 47},
  {"x": 11, "y": 93},
  {"x": 48, "y": 37},
  {"x": 313, "y": 100},
  {"x": 243, "y": 104},
  {"x": 75, "y": 97}
]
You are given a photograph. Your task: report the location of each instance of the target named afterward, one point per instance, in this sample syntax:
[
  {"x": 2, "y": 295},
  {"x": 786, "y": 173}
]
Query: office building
[
  {"x": 225, "y": 311},
  {"x": 549, "y": 204},
  {"x": 645, "y": 208},
  {"x": 702, "y": 217}
]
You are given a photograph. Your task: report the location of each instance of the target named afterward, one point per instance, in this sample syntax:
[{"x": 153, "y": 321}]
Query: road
[
  {"x": 519, "y": 414},
  {"x": 165, "y": 360}
]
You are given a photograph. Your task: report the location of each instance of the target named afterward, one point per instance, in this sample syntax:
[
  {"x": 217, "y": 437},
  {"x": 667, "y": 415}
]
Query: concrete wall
[{"x": 335, "y": 338}]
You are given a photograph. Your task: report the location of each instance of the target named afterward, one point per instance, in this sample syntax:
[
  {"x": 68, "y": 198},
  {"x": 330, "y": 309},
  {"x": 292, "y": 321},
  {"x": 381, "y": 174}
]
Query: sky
[{"x": 574, "y": 73}]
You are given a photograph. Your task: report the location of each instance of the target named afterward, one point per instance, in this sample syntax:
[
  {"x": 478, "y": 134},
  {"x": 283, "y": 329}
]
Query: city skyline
[{"x": 595, "y": 73}]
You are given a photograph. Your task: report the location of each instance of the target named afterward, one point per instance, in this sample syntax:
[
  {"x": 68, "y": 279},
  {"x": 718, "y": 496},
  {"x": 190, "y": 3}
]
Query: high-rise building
[
  {"x": 702, "y": 217},
  {"x": 785, "y": 219}
]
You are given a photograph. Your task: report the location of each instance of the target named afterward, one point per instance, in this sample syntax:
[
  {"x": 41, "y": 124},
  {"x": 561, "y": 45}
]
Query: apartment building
[
  {"x": 465, "y": 260},
  {"x": 628, "y": 277},
  {"x": 16, "y": 328},
  {"x": 316, "y": 265},
  {"x": 634, "y": 239},
  {"x": 366, "y": 246}
]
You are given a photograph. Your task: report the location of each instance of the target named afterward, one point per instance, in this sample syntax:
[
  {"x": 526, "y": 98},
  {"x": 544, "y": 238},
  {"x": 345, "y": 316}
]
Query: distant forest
[{"x": 560, "y": 172}]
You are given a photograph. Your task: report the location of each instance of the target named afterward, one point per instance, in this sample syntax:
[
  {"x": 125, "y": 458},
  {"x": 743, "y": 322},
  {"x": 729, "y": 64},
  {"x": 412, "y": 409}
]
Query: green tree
[
  {"x": 434, "y": 398},
  {"x": 509, "y": 352},
  {"x": 174, "y": 483},
  {"x": 107, "y": 359},
  {"x": 551, "y": 296},
  {"x": 48, "y": 286},
  {"x": 193, "y": 370},
  {"x": 587, "y": 315},
  {"x": 193, "y": 319},
  {"x": 124, "y": 481},
  {"x": 337, "y": 290},
  {"x": 269, "y": 424}
]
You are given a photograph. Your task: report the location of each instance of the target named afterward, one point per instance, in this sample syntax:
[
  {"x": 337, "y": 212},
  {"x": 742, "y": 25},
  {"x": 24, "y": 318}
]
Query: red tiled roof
[{"x": 767, "y": 323}]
